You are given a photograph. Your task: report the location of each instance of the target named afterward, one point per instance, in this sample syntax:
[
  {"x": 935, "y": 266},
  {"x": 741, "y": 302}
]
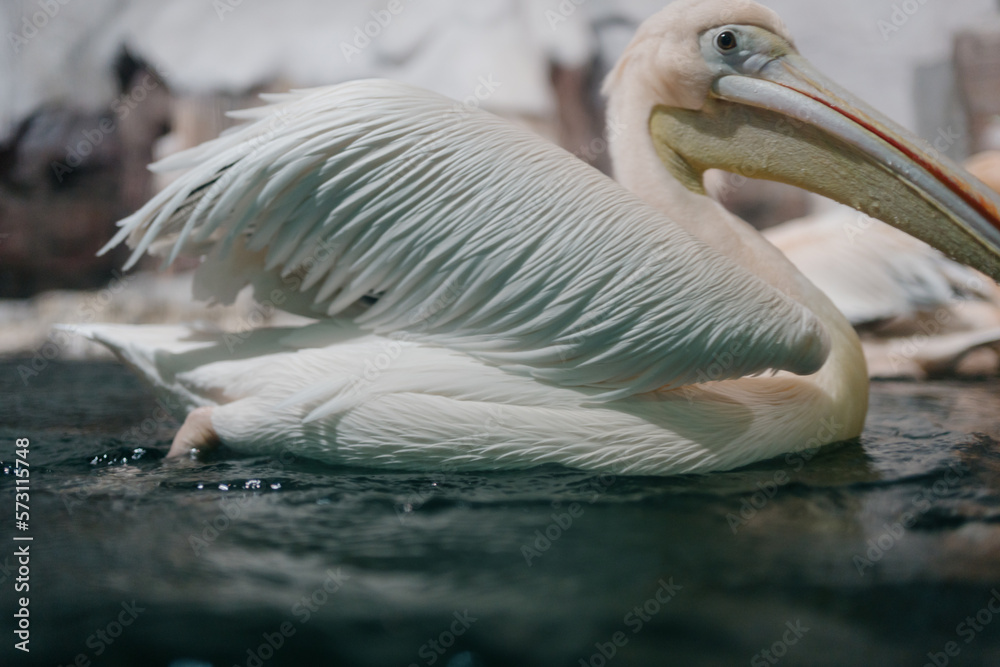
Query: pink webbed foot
[{"x": 196, "y": 435}]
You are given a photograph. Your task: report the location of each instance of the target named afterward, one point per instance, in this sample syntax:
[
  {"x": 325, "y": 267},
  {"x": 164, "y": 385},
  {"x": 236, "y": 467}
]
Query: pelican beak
[{"x": 787, "y": 122}]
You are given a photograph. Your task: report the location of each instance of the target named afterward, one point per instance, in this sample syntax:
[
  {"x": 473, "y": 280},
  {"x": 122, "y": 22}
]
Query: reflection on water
[{"x": 871, "y": 552}]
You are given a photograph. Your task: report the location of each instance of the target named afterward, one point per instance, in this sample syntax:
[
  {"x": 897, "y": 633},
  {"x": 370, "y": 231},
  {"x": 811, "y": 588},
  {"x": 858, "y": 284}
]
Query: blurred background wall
[
  {"x": 92, "y": 90},
  {"x": 875, "y": 47}
]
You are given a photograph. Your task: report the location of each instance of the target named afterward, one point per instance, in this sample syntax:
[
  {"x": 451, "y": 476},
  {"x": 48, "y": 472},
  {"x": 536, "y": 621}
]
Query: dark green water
[{"x": 361, "y": 567}]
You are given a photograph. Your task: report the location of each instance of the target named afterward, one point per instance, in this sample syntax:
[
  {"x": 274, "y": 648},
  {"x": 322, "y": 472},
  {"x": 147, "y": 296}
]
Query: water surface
[{"x": 872, "y": 552}]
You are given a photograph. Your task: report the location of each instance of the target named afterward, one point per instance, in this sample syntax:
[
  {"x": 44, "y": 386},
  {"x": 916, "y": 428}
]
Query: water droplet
[
  {"x": 276, "y": 486},
  {"x": 223, "y": 487}
]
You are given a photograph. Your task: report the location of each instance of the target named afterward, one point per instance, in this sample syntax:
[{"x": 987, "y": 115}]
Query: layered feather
[{"x": 470, "y": 234}]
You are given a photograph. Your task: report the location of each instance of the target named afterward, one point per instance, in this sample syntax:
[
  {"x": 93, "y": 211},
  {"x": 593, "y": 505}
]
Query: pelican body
[{"x": 484, "y": 300}]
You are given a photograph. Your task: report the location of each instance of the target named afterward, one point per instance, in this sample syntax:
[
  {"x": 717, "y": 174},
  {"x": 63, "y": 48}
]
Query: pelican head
[{"x": 724, "y": 87}]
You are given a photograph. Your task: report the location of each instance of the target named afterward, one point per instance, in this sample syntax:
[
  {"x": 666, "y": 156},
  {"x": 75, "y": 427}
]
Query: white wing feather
[{"x": 473, "y": 235}]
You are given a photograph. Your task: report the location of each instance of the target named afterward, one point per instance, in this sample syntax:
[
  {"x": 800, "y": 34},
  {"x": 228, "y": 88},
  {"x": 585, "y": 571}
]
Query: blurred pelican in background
[{"x": 919, "y": 313}]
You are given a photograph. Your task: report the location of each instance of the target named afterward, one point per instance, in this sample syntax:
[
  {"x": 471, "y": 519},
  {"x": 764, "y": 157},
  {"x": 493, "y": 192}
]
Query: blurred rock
[{"x": 66, "y": 176}]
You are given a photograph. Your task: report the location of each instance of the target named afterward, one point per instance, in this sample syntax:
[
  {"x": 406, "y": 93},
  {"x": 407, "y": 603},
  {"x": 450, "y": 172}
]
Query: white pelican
[{"x": 488, "y": 301}]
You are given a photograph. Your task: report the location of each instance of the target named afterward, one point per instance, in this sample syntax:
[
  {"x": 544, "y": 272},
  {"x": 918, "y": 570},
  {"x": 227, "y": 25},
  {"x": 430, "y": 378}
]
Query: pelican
[
  {"x": 484, "y": 300},
  {"x": 919, "y": 313}
]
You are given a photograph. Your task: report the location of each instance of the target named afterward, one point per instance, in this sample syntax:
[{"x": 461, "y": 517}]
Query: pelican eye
[{"x": 726, "y": 41}]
